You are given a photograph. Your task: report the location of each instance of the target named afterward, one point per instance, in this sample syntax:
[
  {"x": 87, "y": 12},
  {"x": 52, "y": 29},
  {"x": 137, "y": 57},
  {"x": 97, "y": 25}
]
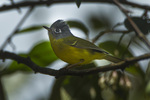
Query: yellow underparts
[{"x": 73, "y": 55}]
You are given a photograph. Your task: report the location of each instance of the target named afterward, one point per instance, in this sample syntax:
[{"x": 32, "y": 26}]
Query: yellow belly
[{"x": 73, "y": 55}]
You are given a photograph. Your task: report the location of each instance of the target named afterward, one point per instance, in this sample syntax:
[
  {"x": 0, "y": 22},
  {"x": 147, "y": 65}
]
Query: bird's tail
[{"x": 113, "y": 59}]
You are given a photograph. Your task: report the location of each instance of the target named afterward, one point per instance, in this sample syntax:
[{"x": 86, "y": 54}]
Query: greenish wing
[{"x": 81, "y": 43}]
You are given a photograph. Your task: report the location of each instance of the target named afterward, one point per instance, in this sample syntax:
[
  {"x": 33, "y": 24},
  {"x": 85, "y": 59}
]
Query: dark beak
[{"x": 46, "y": 27}]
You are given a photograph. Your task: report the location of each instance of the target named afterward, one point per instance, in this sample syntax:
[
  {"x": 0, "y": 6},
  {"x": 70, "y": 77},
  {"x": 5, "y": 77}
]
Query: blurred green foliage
[
  {"x": 30, "y": 29},
  {"x": 79, "y": 25},
  {"x": 133, "y": 84},
  {"x": 116, "y": 84},
  {"x": 119, "y": 51},
  {"x": 41, "y": 54},
  {"x": 77, "y": 88}
]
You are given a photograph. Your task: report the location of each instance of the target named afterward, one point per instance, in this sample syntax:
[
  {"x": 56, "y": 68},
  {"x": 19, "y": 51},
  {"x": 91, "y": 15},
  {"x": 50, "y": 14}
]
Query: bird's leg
[{"x": 73, "y": 65}]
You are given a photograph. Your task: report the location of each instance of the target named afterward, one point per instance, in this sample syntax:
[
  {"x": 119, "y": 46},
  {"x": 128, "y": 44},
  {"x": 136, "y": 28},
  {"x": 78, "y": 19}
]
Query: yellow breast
[{"x": 72, "y": 54}]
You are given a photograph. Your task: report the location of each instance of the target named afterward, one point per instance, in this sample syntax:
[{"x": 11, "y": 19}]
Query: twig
[
  {"x": 146, "y": 7},
  {"x": 136, "y": 29},
  {"x": 50, "y": 2},
  {"x": 8, "y": 40},
  {"x": 2, "y": 91},
  {"x": 126, "y": 49},
  {"x": 120, "y": 39},
  {"x": 63, "y": 72},
  {"x": 108, "y": 31},
  {"x": 12, "y": 2}
]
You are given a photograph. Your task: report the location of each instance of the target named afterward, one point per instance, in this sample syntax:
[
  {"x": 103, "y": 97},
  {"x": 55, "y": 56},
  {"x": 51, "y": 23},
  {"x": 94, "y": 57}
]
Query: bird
[{"x": 72, "y": 49}]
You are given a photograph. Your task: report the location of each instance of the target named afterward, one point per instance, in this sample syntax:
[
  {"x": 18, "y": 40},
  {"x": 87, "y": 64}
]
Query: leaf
[
  {"x": 79, "y": 25},
  {"x": 31, "y": 28},
  {"x": 147, "y": 74},
  {"x": 78, "y": 3},
  {"x": 41, "y": 54},
  {"x": 148, "y": 87},
  {"x": 99, "y": 22},
  {"x": 56, "y": 93},
  {"x": 113, "y": 48},
  {"x": 135, "y": 70},
  {"x": 15, "y": 66},
  {"x": 96, "y": 23},
  {"x": 142, "y": 24},
  {"x": 77, "y": 88}
]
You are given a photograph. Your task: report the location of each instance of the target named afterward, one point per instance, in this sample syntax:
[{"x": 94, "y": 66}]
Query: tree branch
[
  {"x": 50, "y": 2},
  {"x": 2, "y": 90},
  {"x": 62, "y": 72},
  {"x": 8, "y": 40},
  {"x": 108, "y": 31},
  {"x": 136, "y": 29}
]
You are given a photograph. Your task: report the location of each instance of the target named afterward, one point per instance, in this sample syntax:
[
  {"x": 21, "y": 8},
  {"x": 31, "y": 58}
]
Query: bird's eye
[{"x": 57, "y": 30}]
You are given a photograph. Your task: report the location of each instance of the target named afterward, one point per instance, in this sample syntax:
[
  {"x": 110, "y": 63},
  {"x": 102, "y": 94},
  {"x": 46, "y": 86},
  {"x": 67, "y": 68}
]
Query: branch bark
[
  {"x": 2, "y": 90},
  {"x": 50, "y": 2},
  {"x": 62, "y": 72},
  {"x": 140, "y": 35},
  {"x": 108, "y": 31}
]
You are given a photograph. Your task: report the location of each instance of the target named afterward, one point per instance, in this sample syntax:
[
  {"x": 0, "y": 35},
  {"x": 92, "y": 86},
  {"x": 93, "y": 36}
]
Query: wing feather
[{"x": 81, "y": 43}]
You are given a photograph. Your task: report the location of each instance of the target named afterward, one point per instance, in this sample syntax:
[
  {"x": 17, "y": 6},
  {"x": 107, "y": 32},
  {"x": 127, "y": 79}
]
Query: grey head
[{"x": 59, "y": 29}]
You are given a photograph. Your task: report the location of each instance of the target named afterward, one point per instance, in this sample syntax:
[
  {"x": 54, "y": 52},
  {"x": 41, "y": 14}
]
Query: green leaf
[
  {"x": 148, "y": 87},
  {"x": 42, "y": 54},
  {"x": 135, "y": 70},
  {"x": 142, "y": 24},
  {"x": 119, "y": 51},
  {"x": 77, "y": 88},
  {"x": 113, "y": 48},
  {"x": 78, "y": 3},
  {"x": 99, "y": 22},
  {"x": 14, "y": 66},
  {"x": 31, "y": 28},
  {"x": 147, "y": 75},
  {"x": 79, "y": 25},
  {"x": 56, "y": 93},
  {"x": 96, "y": 23}
]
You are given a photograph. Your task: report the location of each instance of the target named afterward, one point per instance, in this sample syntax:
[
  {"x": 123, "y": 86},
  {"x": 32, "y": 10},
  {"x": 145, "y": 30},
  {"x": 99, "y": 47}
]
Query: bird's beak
[{"x": 46, "y": 27}]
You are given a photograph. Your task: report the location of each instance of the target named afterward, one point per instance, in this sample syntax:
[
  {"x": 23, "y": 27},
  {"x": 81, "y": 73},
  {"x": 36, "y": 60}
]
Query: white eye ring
[{"x": 57, "y": 30}]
